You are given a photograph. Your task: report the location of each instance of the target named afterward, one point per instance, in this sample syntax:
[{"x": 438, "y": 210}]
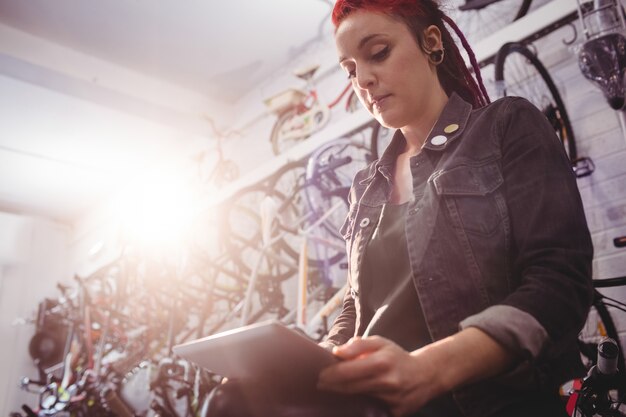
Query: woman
[{"x": 469, "y": 253}]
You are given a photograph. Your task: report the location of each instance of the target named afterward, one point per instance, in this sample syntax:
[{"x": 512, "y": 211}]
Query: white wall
[{"x": 40, "y": 261}]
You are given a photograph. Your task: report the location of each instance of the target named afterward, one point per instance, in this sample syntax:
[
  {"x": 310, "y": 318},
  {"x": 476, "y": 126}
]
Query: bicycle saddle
[
  {"x": 233, "y": 399},
  {"x": 306, "y": 73}
]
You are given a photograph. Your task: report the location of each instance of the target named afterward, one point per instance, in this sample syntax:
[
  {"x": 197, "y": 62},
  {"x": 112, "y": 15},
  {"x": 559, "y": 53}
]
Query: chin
[{"x": 386, "y": 121}]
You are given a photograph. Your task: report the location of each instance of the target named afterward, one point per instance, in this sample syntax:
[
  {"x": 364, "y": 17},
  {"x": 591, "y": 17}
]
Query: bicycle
[
  {"x": 600, "y": 325},
  {"x": 518, "y": 71},
  {"x": 593, "y": 396},
  {"x": 301, "y": 112},
  {"x": 309, "y": 200},
  {"x": 222, "y": 170}
]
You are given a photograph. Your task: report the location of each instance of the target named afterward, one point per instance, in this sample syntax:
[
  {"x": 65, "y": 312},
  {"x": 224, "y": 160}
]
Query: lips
[{"x": 378, "y": 101}]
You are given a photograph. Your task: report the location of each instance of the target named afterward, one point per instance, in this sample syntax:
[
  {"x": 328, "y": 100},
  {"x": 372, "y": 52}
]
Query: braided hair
[{"x": 418, "y": 15}]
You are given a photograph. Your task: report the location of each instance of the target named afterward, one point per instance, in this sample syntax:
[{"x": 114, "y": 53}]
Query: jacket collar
[{"x": 451, "y": 123}]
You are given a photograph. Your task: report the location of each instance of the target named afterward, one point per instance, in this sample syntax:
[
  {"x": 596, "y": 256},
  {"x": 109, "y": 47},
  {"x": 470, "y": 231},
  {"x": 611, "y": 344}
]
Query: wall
[
  {"x": 600, "y": 136},
  {"x": 37, "y": 261}
]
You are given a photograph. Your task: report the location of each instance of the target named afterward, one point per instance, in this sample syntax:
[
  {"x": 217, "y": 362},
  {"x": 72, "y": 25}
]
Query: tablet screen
[{"x": 261, "y": 352}]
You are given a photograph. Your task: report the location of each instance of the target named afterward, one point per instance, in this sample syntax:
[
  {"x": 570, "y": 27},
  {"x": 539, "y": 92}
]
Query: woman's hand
[
  {"x": 407, "y": 381},
  {"x": 378, "y": 367}
]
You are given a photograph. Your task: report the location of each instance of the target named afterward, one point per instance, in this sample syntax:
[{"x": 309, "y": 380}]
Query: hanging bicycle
[
  {"x": 519, "y": 72},
  {"x": 302, "y": 113}
]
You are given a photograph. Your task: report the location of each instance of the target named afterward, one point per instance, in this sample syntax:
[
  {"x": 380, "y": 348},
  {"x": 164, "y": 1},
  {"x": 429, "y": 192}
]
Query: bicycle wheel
[
  {"x": 291, "y": 181},
  {"x": 330, "y": 171},
  {"x": 285, "y": 131},
  {"x": 519, "y": 72},
  {"x": 242, "y": 236},
  {"x": 481, "y": 18}
]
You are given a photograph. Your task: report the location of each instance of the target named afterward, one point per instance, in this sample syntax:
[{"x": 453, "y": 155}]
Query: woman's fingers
[
  {"x": 359, "y": 346},
  {"x": 378, "y": 367},
  {"x": 366, "y": 366},
  {"x": 350, "y": 371}
]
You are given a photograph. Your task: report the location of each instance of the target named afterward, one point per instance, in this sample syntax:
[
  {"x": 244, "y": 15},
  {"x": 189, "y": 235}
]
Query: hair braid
[
  {"x": 468, "y": 80},
  {"x": 478, "y": 83}
]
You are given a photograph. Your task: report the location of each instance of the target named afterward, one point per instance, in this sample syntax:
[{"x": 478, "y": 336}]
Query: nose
[{"x": 365, "y": 77}]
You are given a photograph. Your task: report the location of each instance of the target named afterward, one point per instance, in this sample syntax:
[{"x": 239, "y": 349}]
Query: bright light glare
[{"x": 157, "y": 213}]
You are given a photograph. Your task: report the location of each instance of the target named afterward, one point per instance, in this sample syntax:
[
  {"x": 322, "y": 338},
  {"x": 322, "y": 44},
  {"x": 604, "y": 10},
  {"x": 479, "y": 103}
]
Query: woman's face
[{"x": 390, "y": 72}]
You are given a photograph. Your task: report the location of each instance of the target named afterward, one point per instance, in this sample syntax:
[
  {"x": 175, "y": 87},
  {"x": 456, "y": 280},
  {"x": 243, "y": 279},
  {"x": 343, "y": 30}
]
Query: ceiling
[
  {"x": 215, "y": 48},
  {"x": 93, "y": 93}
]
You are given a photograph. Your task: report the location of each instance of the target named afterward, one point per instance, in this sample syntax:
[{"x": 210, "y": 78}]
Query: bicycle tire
[
  {"x": 291, "y": 181},
  {"x": 478, "y": 19},
  {"x": 242, "y": 236},
  {"x": 330, "y": 171},
  {"x": 522, "y": 9},
  {"x": 277, "y": 139},
  {"x": 554, "y": 109}
]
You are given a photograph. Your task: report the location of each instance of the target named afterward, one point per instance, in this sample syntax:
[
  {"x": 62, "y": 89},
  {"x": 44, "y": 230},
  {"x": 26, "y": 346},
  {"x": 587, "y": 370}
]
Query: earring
[{"x": 436, "y": 56}]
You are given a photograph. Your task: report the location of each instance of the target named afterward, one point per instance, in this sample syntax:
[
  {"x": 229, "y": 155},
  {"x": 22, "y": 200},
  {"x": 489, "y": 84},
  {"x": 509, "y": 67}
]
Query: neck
[{"x": 416, "y": 133}]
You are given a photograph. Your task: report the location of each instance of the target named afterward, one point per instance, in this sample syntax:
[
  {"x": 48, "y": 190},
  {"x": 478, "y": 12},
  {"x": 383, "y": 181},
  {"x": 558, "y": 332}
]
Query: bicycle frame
[
  {"x": 301, "y": 112},
  {"x": 313, "y": 97}
]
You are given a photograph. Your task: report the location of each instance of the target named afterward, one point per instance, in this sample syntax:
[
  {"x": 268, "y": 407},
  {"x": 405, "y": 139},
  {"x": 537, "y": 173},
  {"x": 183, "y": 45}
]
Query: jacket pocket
[{"x": 470, "y": 194}]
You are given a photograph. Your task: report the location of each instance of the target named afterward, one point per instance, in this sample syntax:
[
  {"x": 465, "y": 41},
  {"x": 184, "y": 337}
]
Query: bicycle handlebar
[{"x": 333, "y": 164}]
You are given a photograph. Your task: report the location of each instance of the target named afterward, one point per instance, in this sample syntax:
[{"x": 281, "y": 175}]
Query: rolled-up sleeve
[
  {"x": 343, "y": 326},
  {"x": 551, "y": 249}
]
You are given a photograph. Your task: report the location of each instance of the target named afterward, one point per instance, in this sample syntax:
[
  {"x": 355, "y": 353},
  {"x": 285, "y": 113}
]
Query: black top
[{"x": 390, "y": 303}]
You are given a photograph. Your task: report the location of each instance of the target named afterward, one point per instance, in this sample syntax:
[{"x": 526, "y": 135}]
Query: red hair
[{"x": 418, "y": 15}]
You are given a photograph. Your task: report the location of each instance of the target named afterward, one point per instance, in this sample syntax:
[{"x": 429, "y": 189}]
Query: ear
[{"x": 432, "y": 39}]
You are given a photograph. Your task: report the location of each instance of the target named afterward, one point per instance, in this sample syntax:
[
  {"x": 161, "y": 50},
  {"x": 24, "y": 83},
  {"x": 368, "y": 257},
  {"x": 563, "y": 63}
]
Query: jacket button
[
  {"x": 451, "y": 128},
  {"x": 414, "y": 210},
  {"x": 439, "y": 140},
  {"x": 364, "y": 222}
]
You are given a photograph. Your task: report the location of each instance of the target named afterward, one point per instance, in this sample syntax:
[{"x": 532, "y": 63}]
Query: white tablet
[{"x": 267, "y": 351}]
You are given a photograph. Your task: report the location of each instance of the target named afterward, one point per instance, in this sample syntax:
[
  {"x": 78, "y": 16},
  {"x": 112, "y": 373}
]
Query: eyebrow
[{"x": 362, "y": 43}]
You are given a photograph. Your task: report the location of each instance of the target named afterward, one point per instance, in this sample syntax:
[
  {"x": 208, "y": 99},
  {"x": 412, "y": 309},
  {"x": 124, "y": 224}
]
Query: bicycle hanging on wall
[
  {"x": 213, "y": 168},
  {"x": 301, "y": 113},
  {"x": 519, "y": 72}
]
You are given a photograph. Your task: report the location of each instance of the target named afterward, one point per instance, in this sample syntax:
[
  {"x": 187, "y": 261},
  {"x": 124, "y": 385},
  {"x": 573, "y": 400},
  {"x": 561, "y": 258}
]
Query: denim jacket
[{"x": 498, "y": 241}]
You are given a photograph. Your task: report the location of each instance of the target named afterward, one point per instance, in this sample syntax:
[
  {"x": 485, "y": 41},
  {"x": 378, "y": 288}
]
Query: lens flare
[{"x": 157, "y": 213}]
